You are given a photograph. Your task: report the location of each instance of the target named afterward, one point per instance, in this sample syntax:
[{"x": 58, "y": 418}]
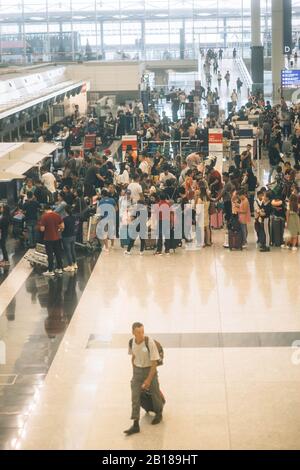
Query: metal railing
[
  {"x": 174, "y": 149},
  {"x": 245, "y": 75},
  {"x": 171, "y": 149}
]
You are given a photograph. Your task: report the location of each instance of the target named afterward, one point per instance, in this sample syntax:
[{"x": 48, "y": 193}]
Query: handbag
[{"x": 147, "y": 402}]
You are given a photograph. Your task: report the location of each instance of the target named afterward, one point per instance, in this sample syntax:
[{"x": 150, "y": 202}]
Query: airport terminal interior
[{"x": 185, "y": 112}]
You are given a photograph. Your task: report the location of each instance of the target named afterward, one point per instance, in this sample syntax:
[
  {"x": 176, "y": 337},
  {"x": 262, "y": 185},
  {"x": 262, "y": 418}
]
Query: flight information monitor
[{"x": 290, "y": 78}]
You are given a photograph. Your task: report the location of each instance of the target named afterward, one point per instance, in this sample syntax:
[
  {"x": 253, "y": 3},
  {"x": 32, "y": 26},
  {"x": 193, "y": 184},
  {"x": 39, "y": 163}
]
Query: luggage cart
[
  {"x": 37, "y": 257},
  {"x": 90, "y": 242}
]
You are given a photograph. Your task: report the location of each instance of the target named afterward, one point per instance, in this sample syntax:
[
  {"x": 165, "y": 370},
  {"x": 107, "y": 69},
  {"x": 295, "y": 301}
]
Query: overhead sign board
[
  {"x": 287, "y": 27},
  {"x": 290, "y": 78}
]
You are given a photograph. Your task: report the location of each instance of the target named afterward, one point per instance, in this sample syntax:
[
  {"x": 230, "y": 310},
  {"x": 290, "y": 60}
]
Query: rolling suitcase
[
  {"x": 150, "y": 243},
  {"x": 235, "y": 240},
  {"x": 277, "y": 228}
]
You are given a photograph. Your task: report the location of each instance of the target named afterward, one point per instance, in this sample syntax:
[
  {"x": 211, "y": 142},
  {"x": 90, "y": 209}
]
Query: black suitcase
[
  {"x": 146, "y": 400},
  {"x": 235, "y": 240},
  {"x": 277, "y": 228}
]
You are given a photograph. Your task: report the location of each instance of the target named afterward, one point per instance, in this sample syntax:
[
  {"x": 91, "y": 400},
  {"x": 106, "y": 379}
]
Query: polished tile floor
[
  {"x": 34, "y": 314},
  {"x": 230, "y": 325},
  {"x": 16, "y": 251},
  {"x": 228, "y": 321}
]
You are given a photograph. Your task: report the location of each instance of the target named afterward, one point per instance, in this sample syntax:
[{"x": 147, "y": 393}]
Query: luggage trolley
[
  {"x": 37, "y": 257},
  {"x": 89, "y": 241}
]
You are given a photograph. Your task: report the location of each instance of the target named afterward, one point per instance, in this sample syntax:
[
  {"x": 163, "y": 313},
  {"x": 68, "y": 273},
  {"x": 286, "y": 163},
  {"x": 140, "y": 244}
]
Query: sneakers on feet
[
  {"x": 48, "y": 273},
  {"x": 69, "y": 269},
  {"x": 58, "y": 271},
  {"x": 127, "y": 252}
]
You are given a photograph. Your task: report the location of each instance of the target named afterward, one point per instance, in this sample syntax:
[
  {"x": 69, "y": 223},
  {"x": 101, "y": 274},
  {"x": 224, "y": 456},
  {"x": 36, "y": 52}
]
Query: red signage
[
  {"x": 90, "y": 141},
  {"x": 216, "y": 137}
]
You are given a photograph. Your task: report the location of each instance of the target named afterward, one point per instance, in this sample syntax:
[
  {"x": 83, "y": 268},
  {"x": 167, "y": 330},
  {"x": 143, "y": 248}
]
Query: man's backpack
[{"x": 159, "y": 348}]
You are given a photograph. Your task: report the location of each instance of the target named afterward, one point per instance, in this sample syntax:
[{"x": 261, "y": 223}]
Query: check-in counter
[{"x": 18, "y": 161}]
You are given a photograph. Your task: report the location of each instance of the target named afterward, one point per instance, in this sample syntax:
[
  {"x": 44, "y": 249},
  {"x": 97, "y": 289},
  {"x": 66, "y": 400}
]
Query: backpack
[{"x": 159, "y": 348}]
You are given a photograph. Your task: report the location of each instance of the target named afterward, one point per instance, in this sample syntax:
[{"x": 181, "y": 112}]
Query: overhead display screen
[{"x": 290, "y": 78}]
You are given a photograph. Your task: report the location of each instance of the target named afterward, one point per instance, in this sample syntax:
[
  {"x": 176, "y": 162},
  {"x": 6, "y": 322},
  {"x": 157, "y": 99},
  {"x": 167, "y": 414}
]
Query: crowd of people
[{"x": 54, "y": 204}]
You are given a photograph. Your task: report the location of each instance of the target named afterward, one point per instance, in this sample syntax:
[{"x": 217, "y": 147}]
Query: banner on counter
[{"x": 215, "y": 142}]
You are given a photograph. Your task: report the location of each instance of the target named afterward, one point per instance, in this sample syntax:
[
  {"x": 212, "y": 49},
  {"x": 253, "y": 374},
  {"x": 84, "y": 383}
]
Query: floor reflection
[{"x": 32, "y": 328}]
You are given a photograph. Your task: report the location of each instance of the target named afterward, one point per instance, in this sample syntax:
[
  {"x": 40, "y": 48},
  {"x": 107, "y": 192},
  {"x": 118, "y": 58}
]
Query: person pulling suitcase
[{"x": 146, "y": 354}]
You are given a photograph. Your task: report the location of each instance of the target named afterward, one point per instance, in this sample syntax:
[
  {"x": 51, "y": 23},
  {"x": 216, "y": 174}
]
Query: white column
[
  {"x": 255, "y": 23},
  {"x": 277, "y": 48}
]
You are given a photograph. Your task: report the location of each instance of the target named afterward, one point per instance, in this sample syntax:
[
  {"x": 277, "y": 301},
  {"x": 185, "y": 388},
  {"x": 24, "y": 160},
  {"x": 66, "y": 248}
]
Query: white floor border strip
[{"x": 14, "y": 281}]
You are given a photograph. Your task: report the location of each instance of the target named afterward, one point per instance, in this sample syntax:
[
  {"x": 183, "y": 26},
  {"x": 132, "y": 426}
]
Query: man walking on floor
[{"x": 145, "y": 357}]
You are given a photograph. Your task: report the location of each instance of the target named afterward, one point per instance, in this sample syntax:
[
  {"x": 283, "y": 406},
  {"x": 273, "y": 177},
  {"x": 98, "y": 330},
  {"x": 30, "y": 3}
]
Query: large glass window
[{"x": 135, "y": 26}]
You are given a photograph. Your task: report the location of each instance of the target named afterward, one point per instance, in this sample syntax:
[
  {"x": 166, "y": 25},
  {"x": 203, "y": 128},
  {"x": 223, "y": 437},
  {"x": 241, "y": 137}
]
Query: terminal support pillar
[
  {"x": 257, "y": 49},
  {"x": 278, "y": 61}
]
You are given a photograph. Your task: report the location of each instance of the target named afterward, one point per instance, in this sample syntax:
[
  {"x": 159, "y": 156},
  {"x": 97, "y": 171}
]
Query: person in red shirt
[{"x": 52, "y": 225}]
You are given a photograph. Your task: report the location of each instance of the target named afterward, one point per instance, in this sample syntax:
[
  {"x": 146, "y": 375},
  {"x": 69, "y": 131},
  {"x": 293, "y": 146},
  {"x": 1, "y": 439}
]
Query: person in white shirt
[
  {"x": 144, "y": 165},
  {"x": 49, "y": 181},
  {"x": 164, "y": 177},
  {"x": 145, "y": 358},
  {"x": 136, "y": 190},
  {"x": 123, "y": 178}
]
